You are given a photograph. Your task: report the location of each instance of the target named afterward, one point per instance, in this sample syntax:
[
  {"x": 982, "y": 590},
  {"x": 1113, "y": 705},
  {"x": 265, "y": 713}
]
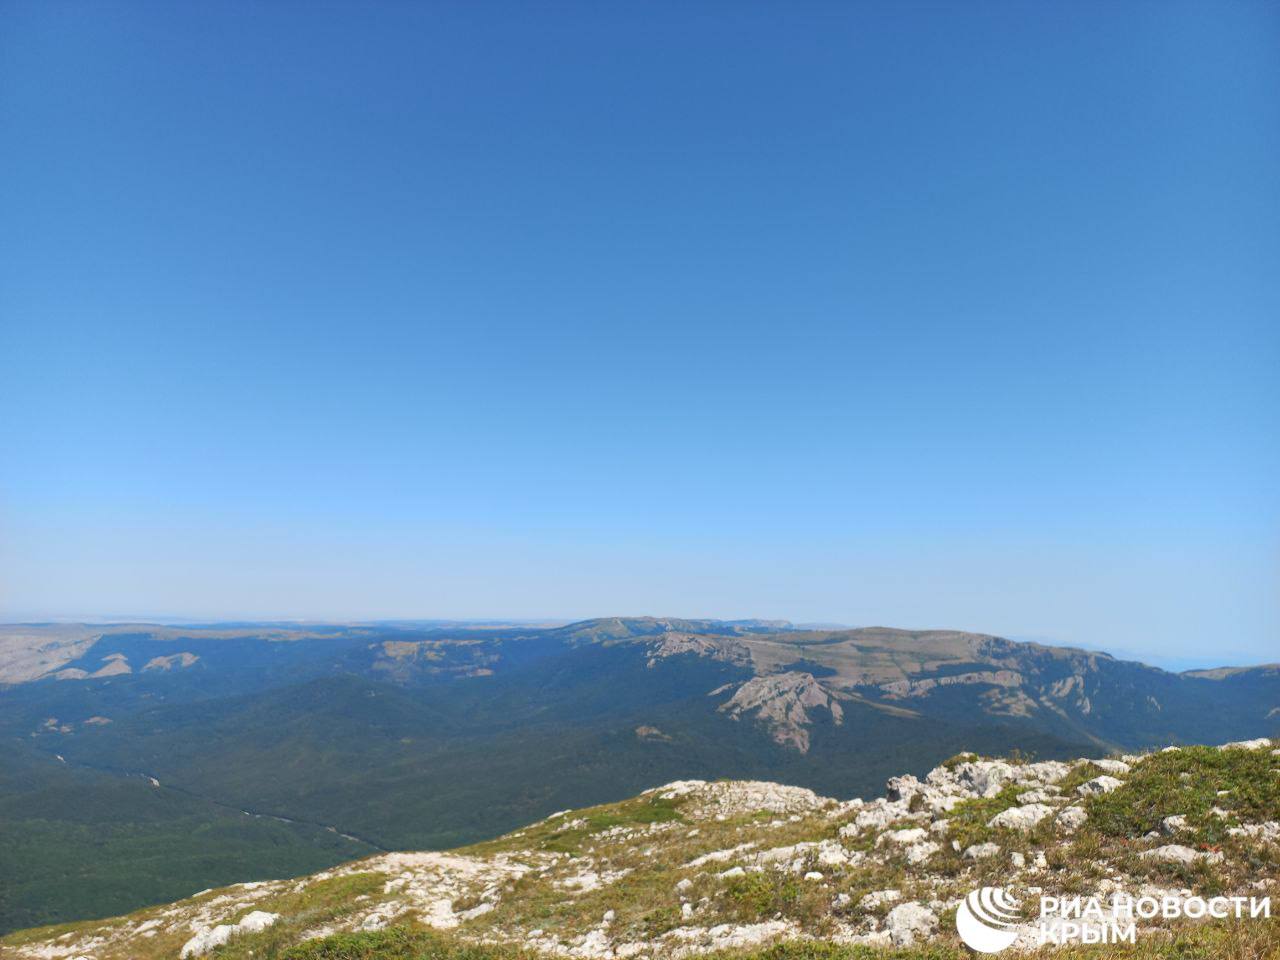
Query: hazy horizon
[
  {"x": 911, "y": 314},
  {"x": 1171, "y": 663}
]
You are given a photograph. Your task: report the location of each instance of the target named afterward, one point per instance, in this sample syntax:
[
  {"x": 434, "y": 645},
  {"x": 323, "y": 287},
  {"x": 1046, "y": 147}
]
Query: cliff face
[{"x": 696, "y": 866}]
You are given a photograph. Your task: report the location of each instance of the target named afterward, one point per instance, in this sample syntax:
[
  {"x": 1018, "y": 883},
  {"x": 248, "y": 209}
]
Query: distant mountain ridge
[{"x": 153, "y": 739}]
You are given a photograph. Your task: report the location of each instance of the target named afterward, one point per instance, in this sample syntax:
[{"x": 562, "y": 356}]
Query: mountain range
[{"x": 184, "y": 757}]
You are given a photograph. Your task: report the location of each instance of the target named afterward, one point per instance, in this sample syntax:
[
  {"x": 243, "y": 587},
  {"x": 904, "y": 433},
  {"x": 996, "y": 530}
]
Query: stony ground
[{"x": 694, "y": 867}]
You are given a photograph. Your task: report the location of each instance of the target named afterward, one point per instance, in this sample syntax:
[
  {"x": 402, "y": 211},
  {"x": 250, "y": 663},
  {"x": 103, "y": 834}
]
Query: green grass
[
  {"x": 564, "y": 835},
  {"x": 397, "y": 943},
  {"x": 1188, "y": 782},
  {"x": 318, "y": 903},
  {"x": 969, "y": 818},
  {"x": 1244, "y": 940}
]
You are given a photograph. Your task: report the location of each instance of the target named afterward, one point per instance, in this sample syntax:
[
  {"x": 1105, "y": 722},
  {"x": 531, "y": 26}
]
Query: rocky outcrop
[
  {"x": 674, "y": 643},
  {"x": 782, "y": 702},
  {"x": 171, "y": 662},
  {"x": 206, "y": 940},
  {"x": 113, "y": 665},
  {"x": 918, "y": 688}
]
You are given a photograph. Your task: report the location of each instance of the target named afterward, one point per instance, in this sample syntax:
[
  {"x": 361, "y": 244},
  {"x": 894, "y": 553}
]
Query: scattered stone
[
  {"x": 1046, "y": 795},
  {"x": 878, "y": 898},
  {"x": 984, "y": 778},
  {"x": 1097, "y": 785},
  {"x": 980, "y": 851},
  {"x": 1174, "y": 824},
  {"x": 901, "y": 837},
  {"x": 1176, "y": 853},
  {"x": 1020, "y": 818},
  {"x": 920, "y": 852},
  {"x": 1268, "y": 832},
  {"x": 909, "y": 923},
  {"x": 1115, "y": 767},
  {"x": 210, "y": 938},
  {"x": 1072, "y": 818}
]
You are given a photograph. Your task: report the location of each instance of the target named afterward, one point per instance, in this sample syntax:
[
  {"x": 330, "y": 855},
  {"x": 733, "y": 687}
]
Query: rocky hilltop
[{"x": 752, "y": 868}]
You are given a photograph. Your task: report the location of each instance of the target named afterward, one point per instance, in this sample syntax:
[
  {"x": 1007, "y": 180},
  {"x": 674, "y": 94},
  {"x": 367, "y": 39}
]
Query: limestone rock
[
  {"x": 1116, "y": 768},
  {"x": 1176, "y": 853},
  {"x": 1020, "y": 818},
  {"x": 1174, "y": 824},
  {"x": 1102, "y": 784},
  {"x": 1072, "y": 818},
  {"x": 910, "y": 923}
]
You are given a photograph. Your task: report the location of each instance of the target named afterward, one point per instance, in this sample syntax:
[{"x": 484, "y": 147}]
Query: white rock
[
  {"x": 983, "y": 778},
  {"x": 903, "y": 788},
  {"x": 257, "y": 921},
  {"x": 878, "y": 898},
  {"x": 1262, "y": 743},
  {"x": 1176, "y": 853},
  {"x": 908, "y": 923},
  {"x": 1018, "y": 860},
  {"x": 1173, "y": 824},
  {"x": 206, "y": 940},
  {"x": 1037, "y": 796},
  {"x": 920, "y": 852},
  {"x": 479, "y": 910},
  {"x": 1116, "y": 767},
  {"x": 831, "y": 854},
  {"x": 875, "y": 815},
  {"x": 1020, "y": 818},
  {"x": 980, "y": 851},
  {"x": 1072, "y": 818},
  {"x": 719, "y": 856},
  {"x": 1269, "y": 831},
  {"x": 1103, "y": 784},
  {"x": 813, "y": 875},
  {"x": 902, "y": 837}
]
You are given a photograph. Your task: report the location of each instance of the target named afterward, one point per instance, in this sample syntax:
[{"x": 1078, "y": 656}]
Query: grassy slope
[{"x": 1252, "y": 940}]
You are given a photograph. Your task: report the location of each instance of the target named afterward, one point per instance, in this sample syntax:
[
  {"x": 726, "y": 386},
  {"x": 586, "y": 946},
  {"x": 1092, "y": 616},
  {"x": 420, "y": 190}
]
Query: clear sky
[{"x": 930, "y": 315}]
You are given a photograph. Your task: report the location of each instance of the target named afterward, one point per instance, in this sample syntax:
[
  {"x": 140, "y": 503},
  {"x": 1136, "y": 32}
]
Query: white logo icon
[{"x": 987, "y": 918}]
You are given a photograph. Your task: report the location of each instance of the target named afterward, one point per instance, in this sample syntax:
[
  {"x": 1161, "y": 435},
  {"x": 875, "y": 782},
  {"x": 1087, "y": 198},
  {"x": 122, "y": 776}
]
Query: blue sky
[{"x": 933, "y": 315}]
